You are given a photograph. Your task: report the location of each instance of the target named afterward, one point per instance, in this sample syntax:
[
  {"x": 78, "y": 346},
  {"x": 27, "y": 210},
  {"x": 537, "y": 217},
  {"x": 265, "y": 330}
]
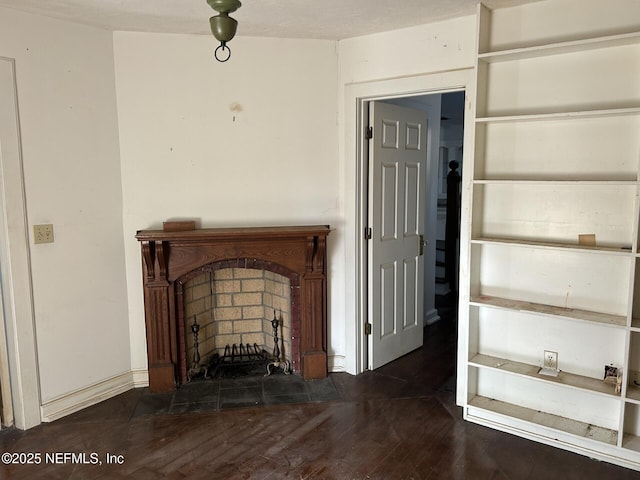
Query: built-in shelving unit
[
  {"x": 509, "y": 411},
  {"x": 533, "y": 372},
  {"x": 560, "y": 48},
  {"x": 552, "y": 245},
  {"x": 553, "y": 258},
  {"x": 570, "y": 115},
  {"x": 549, "y": 310}
]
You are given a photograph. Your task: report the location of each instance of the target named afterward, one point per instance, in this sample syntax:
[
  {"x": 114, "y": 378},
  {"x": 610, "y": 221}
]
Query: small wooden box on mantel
[{"x": 178, "y": 225}]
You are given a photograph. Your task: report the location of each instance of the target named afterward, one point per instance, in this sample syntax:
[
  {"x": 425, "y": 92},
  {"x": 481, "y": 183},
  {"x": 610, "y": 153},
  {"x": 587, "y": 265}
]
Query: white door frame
[
  {"x": 355, "y": 184},
  {"x": 15, "y": 260}
]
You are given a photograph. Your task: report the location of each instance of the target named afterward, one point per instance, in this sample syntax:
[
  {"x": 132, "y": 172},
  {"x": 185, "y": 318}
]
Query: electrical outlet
[
  {"x": 43, "y": 233},
  {"x": 551, "y": 360}
]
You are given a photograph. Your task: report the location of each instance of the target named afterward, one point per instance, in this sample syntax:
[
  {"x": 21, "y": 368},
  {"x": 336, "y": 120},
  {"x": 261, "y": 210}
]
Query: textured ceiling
[{"x": 326, "y": 19}]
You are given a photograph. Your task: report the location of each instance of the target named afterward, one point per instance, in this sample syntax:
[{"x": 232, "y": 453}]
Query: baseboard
[
  {"x": 336, "y": 363},
  {"x": 85, "y": 397},
  {"x": 140, "y": 377},
  {"x": 431, "y": 317}
]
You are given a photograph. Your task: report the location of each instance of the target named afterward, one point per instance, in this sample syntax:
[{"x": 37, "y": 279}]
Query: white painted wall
[
  {"x": 435, "y": 47},
  {"x": 66, "y": 96},
  {"x": 426, "y": 58},
  {"x": 179, "y": 131},
  {"x": 254, "y": 141},
  {"x": 249, "y": 142}
]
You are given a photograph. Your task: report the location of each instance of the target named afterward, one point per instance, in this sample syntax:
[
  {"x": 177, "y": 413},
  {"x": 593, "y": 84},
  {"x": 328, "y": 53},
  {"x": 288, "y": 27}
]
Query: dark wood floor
[{"x": 399, "y": 422}]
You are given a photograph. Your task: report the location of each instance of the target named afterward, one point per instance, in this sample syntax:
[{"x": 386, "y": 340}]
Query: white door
[{"x": 397, "y": 161}]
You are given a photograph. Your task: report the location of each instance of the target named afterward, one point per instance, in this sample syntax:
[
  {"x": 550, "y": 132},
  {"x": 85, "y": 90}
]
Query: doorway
[
  {"x": 444, "y": 118},
  {"x": 353, "y": 305},
  {"x": 18, "y": 357}
]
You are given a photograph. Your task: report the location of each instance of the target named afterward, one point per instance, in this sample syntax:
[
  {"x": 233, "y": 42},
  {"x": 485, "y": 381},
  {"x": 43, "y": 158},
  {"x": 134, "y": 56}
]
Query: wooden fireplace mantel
[{"x": 168, "y": 257}]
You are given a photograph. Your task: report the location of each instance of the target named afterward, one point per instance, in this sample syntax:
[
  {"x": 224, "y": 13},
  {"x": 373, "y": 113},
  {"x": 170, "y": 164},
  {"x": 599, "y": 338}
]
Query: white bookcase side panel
[
  {"x": 542, "y": 23},
  {"x": 583, "y": 349},
  {"x": 580, "y": 149},
  {"x": 580, "y": 405},
  {"x": 568, "y": 279},
  {"x": 472, "y": 383},
  {"x": 633, "y": 391},
  {"x": 481, "y": 87},
  {"x": 474, "y": 331},
  {"x": 631, "y": 437},
  {"x": 636, "y": 223},
  {"x": 555, "y": 213},
  {"x": 475, "y": 260},
  {"x": 479, "y": 153},
  {"x": 635, "y": 307},
  {"x": 631, "y": 442},
  {"x": 594, "y": 80},
  {"x": 484, "y": 28},
  {"x": 633, "y": 374}
]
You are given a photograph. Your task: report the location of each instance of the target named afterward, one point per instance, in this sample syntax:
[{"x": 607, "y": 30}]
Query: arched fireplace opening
[{"x": 226, "y": 319}]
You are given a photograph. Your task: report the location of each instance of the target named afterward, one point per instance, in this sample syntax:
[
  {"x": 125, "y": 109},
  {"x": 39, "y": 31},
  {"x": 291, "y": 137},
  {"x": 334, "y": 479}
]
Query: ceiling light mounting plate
[{"x": 224, "y": 6}]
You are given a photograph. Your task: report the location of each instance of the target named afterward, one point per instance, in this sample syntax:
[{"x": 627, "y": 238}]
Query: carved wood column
[
  {"x": 314, "y": 287},
  {"x": 158, "y": 300}
]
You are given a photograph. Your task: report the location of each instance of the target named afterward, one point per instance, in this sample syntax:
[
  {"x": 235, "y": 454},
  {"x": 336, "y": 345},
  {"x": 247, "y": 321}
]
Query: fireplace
[
  {"x": 229, "y": 321},
  {"x": 170, "y": 260}
]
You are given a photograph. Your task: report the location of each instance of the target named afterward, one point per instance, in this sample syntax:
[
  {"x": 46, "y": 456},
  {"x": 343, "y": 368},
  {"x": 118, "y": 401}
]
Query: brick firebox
[
  {"x": 169, "y": 259},
  {"x": 236, "y": 306}
]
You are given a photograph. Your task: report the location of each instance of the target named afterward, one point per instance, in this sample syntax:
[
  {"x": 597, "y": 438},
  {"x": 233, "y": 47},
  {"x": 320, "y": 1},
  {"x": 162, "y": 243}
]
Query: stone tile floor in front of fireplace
[{"x": 202, "y": 395}]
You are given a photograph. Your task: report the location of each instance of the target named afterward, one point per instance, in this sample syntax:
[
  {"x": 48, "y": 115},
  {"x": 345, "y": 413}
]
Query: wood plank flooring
[{"x": 397, "y": 423}]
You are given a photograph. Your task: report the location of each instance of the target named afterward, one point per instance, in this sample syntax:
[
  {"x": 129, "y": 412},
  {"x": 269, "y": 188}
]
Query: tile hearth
[{"x": 223, "y": 393}]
